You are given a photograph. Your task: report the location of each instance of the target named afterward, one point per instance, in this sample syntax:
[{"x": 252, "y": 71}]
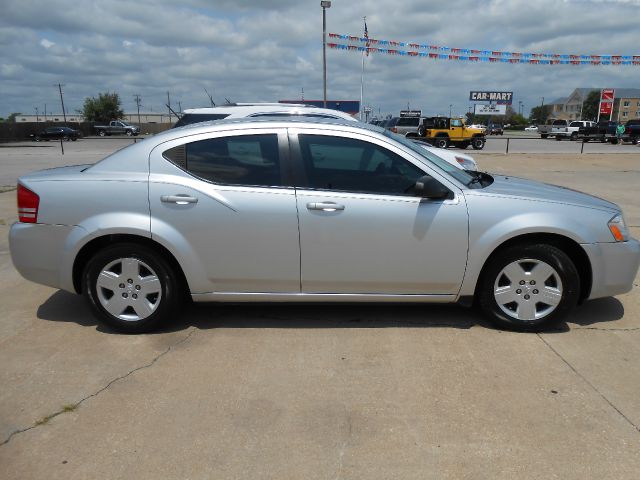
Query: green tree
[
  {"x": 102, "y": 109},
  {"x": 590, "y": 106},
  {"x": 12, "y": 117},
  {"x": 539, "y": 115}
]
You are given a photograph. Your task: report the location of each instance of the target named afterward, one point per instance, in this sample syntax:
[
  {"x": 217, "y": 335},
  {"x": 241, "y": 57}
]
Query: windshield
[{"x": 432, "y": 159}]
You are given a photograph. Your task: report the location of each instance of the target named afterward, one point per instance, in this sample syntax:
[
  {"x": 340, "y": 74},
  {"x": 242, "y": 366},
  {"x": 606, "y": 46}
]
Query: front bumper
[
  {"x": 42, "y": 253},
  {"x": 614, "y": 266}
]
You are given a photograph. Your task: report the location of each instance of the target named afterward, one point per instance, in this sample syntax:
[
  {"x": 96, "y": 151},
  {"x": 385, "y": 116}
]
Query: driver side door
[{"x": 362, "y": 231}]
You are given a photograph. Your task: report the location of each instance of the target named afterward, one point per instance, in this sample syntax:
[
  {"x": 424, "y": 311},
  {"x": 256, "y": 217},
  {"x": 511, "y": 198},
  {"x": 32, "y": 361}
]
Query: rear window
[
  {"x": 189, "y": 118},
  {"x": 634, "y": 122},
  {"x": 408, "y": 122},
  {"x": 235, "y": 160},
  {"x": 560, "y": 122}
]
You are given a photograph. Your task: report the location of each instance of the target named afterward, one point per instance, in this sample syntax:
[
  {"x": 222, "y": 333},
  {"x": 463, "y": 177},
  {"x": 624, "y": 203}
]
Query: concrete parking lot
[{"x": 317, "y": 392}]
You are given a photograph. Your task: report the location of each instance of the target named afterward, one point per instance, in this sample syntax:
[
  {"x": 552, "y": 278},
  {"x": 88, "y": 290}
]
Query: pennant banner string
[{"x": 440, "y": 52}]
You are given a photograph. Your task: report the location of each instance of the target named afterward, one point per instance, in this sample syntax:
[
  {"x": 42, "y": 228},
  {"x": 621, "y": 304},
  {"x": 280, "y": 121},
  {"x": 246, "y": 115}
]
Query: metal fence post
[
  {"x": 62, "y": 146},
  {"x": 507, "y": 146}
]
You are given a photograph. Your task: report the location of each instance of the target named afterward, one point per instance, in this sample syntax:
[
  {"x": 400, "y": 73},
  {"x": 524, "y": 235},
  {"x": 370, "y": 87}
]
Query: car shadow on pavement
[{"x": 66, "y": 307}]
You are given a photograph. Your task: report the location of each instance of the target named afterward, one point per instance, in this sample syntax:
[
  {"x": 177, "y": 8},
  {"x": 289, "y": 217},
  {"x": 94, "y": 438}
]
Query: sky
[{"x": 270, "y": 50}]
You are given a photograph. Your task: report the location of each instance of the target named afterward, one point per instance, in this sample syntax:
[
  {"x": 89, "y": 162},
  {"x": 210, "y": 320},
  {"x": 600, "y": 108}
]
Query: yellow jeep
[{"x": 442, "y": 132}]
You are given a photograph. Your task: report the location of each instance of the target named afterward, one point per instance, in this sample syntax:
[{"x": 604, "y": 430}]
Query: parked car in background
[
  {"x": 573, "y": 129},
  {"x": 389, "y": 123},
  {"x": 531, "y": 128},
  {"x": 603, "y": 131},
  {"x": 407, "y": 125},
  {"x": 457, "y": 159},
  {"x": 552, "y": 127},
  {"x": 495, "y": 129},
  {"x": 117, "y": 127},
  {"x": 56, "y": 133},
  {"x": 255, "y": 110},
  {"x": 632, "y": 131},
  {"x": 326, "y": 211}
]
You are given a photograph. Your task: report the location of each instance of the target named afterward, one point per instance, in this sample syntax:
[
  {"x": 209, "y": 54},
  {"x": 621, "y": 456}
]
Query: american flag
[{"x": 366, "y": 35}]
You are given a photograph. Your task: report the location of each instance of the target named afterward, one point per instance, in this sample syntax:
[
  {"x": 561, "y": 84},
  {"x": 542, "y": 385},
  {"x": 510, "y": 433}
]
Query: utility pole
[
  {"x": 137, "y": 97},
  {"x": 64, "y": 114},
  {"x": 45, "y": 113},
  {"x": 324, "y": 4},
  {"x": 169, "y": 104},
  {"x": 37, "y": 118}
]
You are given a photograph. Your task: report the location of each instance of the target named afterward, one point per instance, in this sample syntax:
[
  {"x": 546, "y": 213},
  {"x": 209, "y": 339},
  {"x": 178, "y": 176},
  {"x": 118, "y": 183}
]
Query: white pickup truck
[{"x": 571, "y": 132}]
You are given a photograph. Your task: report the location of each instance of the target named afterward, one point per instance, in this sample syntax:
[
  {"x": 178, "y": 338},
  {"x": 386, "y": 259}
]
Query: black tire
[
  {"x": 73, "y": 139},
  {"x": 148, "y": 273},
  {"x": 421, "y": 130},
  {"x": 574, "y": 136},
  {"x": 558, "y": 138},
  {"x": 543, "y": 135},
  {"x": 37, "y": 138},
  {"x": 441, "y": 142},
  {"x": 65, "y": 138},
  {"x": 561, "y": 286},
  {"x": 477, "y": 143},
  {"x": 102, "y": 133},
  {"x": 129, "y": 133}
]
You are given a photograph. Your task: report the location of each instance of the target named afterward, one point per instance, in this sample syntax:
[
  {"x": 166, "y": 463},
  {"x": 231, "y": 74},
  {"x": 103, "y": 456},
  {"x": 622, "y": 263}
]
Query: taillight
[
  {"x": 28, "y": 203},
  {"x": 394, "y": 129}
]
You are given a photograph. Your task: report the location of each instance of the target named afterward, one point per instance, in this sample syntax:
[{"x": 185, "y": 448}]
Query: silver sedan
[{"x": 299, "y": 211}]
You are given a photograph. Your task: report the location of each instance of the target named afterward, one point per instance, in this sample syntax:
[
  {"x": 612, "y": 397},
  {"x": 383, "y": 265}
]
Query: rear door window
[{"x": 235, "y": 160}]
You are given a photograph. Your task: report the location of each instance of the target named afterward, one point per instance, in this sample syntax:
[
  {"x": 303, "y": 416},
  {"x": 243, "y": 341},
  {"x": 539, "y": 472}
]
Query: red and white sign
[
  {"x": 607, "y": 95},
  {"x": 606, "y": 108}
]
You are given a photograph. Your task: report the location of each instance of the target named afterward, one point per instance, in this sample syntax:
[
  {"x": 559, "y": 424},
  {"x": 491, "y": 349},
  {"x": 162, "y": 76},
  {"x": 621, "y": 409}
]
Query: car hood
[{"x": 543, "y": 192}]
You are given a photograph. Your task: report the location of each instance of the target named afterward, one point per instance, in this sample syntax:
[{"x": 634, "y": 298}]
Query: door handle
[
  {"x": 180, "y": 199},
  {"x": 325, "y": 206}
]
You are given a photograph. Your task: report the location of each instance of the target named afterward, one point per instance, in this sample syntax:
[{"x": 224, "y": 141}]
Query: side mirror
[{"x": 429, "y": 187}]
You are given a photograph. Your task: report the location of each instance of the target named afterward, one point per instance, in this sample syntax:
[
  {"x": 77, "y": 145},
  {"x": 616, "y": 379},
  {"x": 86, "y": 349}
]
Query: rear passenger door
[{"x": 223, "y": 205}]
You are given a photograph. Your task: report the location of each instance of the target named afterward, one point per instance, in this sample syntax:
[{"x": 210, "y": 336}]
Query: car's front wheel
[
  {"x": 131, "y": 288},
  {"x": 129, "y": 133},
  {"x": 527, "y": 287}
]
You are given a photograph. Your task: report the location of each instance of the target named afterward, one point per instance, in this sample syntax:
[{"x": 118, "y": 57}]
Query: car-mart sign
[{"x": 498, "y": 97}]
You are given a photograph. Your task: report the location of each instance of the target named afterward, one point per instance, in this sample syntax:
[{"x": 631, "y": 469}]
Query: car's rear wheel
[
  {"x": 477, "y": 143},
  {"x": 102, "y": 133},
  {"x": 131, "y": 288},
  {"x": 543, "y": 135},
  {"x": 527, "y": 287},
  {"x": 574, "y": 136},
  {"x": 441, "y": 142},
  {"x": 129, "y": 133}
]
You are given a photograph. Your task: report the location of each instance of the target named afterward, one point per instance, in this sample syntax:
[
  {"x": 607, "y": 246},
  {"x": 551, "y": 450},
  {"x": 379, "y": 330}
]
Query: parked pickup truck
[
  {"x": 604, "y": 131},
  {"x": 552, "y": 127},
  {"x": 117, "y": 127},
  {"x": 632, "y": 131},
  {"x": 572, "y": 130}
]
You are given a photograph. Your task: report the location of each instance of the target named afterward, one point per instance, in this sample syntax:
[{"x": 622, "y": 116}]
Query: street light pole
[
  {"x": 324, "y": 4},
  {"x": 450, "y": 105}
]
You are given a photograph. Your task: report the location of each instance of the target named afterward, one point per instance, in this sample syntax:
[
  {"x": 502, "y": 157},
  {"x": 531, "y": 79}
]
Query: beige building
[{"x": 626, "y": 104}]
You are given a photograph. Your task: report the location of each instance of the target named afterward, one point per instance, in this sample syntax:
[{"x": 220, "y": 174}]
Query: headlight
[{"x": 618, "y": 228}]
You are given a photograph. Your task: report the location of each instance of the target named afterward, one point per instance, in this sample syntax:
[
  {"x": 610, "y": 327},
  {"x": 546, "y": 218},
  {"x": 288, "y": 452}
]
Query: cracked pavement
[{"x": 320, "y": 392}]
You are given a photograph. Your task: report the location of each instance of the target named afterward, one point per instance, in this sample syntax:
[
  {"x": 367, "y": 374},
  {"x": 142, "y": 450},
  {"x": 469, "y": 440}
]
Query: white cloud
[
  {"x": 46, "y": 43},
  {"x": 271, "y": 49}
]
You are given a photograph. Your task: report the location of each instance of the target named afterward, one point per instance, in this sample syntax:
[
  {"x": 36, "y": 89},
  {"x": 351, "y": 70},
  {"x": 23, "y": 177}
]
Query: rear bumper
[
  {"x": 614, "y": 265},
  {"x": 42, "y": 253}
]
